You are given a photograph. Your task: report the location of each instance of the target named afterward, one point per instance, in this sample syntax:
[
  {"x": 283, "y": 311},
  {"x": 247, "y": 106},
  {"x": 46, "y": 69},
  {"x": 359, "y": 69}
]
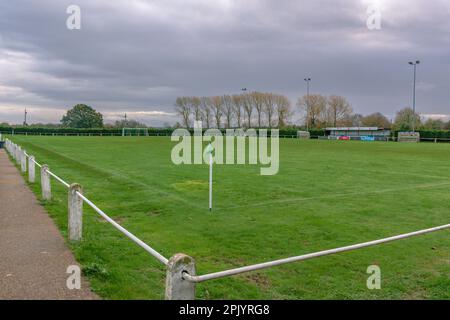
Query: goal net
[{"x": 134, "y": 132}]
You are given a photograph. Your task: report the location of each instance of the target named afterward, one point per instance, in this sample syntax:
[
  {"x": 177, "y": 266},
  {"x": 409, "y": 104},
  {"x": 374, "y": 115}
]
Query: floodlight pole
[
  {"x": 414, "y": 94},
  {"x": 25, "y": 118},
  {"x": 308, "y": 80}
]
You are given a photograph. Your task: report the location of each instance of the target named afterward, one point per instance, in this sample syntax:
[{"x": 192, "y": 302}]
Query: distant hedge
[
  {"x": 96, "y": 131},
  {"x": 56, "y": 130},
  {"x": 435, "y": 134},
  {"x": 431, "y": 133},
  {"x": 117, "y": 131},
  {"x": 168, "y": 131}
]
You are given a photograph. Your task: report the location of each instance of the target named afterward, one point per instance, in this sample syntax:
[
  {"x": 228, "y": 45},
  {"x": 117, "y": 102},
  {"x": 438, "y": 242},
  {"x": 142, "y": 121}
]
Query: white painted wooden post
[
  {"x": 75, "y": 206},
  {"x": 31, "y": 169},
  {"x": 176, "y": 287},
  {"x": 45, "y": 183},
  {"x": 23, "y": 161}
]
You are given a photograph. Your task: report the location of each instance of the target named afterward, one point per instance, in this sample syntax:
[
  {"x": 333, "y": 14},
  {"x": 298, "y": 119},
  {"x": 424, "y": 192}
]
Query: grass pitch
[{"x": 327, "y": 194}]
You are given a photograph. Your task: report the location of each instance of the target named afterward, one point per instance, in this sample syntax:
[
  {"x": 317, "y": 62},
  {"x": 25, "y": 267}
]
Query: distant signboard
[
  {"x": 343, "y": 138},
  {"x": 367, "y": 138}
]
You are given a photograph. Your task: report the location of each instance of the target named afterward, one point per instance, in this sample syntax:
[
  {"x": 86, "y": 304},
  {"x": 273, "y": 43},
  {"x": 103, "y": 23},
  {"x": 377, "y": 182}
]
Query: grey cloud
[{"x": 140, "y": 55}]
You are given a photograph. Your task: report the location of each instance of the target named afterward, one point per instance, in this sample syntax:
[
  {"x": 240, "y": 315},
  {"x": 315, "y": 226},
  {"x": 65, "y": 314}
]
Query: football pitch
[{"x": 327, "y": 194}]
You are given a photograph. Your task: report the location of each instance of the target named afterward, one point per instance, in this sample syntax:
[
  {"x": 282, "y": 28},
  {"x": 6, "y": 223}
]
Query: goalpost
[{"x": 134, "y": 132}]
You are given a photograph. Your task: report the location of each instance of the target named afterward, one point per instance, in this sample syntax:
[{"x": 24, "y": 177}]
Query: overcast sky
[{"x": 137, "y": 56}]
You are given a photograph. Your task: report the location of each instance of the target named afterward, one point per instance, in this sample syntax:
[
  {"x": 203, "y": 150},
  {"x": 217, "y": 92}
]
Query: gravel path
[{"x": 33, "y": 255}]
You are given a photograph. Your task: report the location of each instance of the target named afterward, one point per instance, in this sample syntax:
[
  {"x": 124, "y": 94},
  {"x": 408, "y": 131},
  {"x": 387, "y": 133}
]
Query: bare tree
[
  {"x": 269, "y": 108},
  {"x": 248, "y": 109},
  {"x": 434, "y": 124},
  {"x": 351, "y": 120},
  {"x": 257, "y": 99},
  {"x": 237, "y": 101},
  {"x": 228, "y": 110},
  {"x": 195, "y": 104},
  {"x": 205, "y": 107},
  {"x": 217, "y": 109},
  {"x": 314, "y": 106},
  {"x": 338, "y": 109},
  {"x": 283, "y": 109},
  {"x": 376, "y": 120},
  {"x": 182, "y": 107}
]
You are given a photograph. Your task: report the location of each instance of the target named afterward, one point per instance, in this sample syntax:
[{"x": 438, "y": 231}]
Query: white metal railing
[
  {"x": 35, "y": 162},
  {"x": 274, "y": 263},
  {"x": 16, "y": 150},
  {"x": 138, "y": 241},
  {"x": 181, "y": 277},
  {"x": 58, "y": 178}
]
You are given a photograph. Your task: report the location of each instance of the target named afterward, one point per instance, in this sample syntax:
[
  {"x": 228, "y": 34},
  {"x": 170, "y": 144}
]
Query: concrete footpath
[{"x": 33, "y": 256}]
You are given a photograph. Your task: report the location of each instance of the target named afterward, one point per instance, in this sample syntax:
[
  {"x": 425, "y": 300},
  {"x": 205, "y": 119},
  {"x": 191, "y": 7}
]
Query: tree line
[
  {"x": 228, "y": 111},
  {"x": 257, "y": 109},
  {"x": 270, "y": 110},
  {"x": 261, "y": 109}
]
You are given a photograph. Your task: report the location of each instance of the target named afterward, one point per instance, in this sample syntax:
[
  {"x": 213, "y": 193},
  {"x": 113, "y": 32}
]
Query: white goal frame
[{"x": 138, "y": 131}]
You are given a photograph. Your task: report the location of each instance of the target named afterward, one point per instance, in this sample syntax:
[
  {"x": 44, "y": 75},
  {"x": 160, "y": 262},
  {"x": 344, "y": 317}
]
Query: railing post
[
  {"x": 75, "y": 206},
  {"x": 176, "y": 287},
  {"x": 45, "y": 183},
  {"x": 23, "y": 161},
  {"x": 31, "y": 169}
]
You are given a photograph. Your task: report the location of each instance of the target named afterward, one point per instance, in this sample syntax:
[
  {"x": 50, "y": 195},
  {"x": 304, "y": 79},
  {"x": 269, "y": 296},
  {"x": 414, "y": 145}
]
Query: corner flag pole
[
  {"x": 208, "y": 151},
  {"x": 210, "y": 180}
]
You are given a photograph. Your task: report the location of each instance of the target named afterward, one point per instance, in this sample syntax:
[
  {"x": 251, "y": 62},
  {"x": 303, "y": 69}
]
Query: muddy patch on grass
[
  {"x": 259, "y": 279},
  {"x": 119, "y": 220},
  {"x": 154, "y": 213}
]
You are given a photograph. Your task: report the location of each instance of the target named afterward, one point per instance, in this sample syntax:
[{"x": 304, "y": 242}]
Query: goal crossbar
[{"x": 136, "y": 130}]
